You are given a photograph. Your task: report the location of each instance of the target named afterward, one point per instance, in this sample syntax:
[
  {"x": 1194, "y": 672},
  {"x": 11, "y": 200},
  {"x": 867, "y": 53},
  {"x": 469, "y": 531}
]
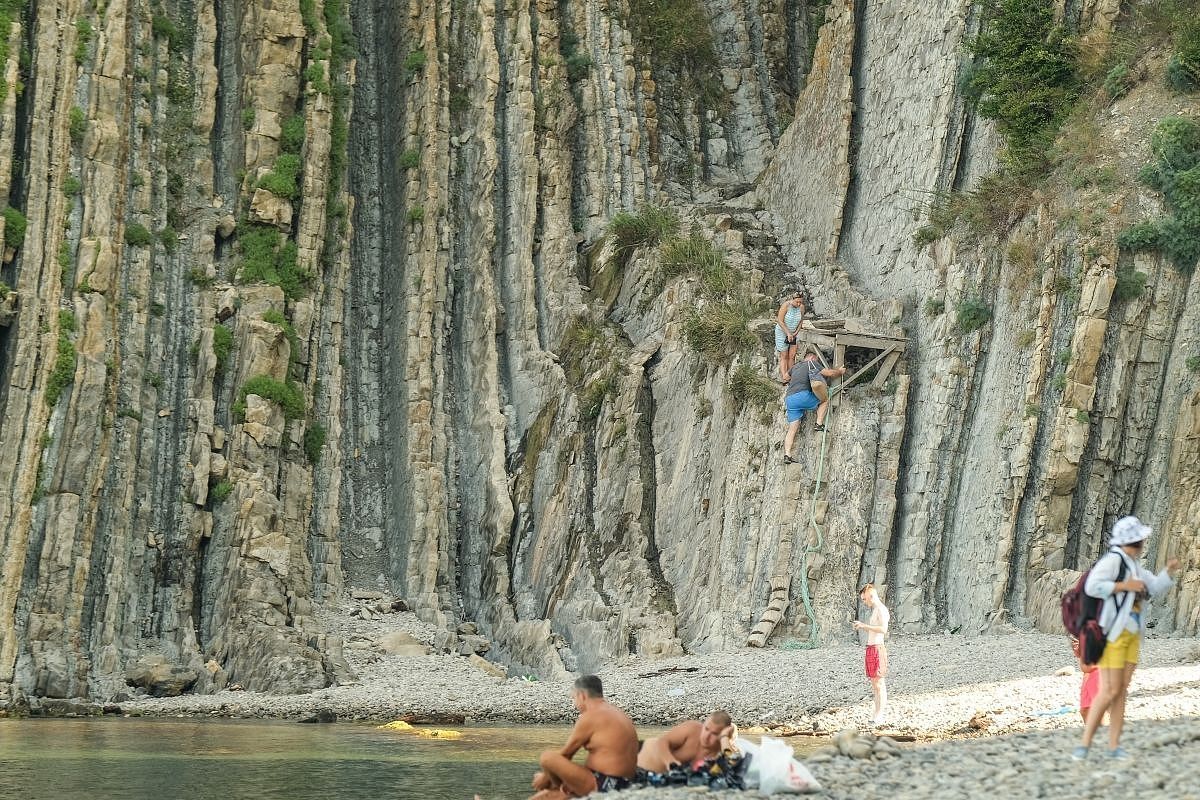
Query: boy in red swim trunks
[{"x": 876, "y": 657}]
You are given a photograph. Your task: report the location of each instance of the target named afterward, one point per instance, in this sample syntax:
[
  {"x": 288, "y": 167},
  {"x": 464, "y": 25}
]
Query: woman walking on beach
[{"x": 1123, "y": 620}]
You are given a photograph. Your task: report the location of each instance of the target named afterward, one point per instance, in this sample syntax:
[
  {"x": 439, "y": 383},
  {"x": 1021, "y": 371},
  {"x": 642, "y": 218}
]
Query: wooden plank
[
  {"x": 819, "y": 339},
  {"x": 839, "y": 355},
  {"x": 845, "y": 384},
  {"x": 885, "y": 369},
  {"x": 874, "y": 342}
]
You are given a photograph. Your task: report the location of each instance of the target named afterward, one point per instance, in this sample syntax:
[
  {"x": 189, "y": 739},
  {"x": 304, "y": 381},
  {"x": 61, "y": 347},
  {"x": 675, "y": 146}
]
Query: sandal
[
  {"x": 789, "y": 460},
  {"x": 819, "y": 426}
]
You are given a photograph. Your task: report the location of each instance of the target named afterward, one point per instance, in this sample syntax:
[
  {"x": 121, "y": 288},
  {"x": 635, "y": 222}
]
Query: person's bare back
[
  {"x": 611, "y": 743},
  {"x": 608, "y": 735},
  {"x": 680, "y": 745}
]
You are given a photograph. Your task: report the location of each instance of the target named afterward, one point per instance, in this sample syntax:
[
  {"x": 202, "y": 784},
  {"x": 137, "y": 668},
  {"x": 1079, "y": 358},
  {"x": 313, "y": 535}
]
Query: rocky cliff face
[{"x": 317, "y": 295}]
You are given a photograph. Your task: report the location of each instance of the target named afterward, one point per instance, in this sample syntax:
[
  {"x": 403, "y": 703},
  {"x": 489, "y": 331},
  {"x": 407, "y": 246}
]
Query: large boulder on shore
[
  {"x": 399, "y": 643},
  {"x": 159, "y": 677}
]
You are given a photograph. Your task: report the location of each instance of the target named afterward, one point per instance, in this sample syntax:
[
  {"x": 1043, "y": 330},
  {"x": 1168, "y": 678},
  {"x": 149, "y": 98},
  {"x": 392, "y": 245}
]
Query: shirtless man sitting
[
  {"x": 687, "y": 743},
  {"x": 608, "y": 735}
]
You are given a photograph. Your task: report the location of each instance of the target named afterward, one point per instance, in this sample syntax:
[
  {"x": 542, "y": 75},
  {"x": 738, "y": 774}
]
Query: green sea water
[{"x": 152, "y": 759}]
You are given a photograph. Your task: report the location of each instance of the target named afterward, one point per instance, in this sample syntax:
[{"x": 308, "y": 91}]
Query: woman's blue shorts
[{"x": 798, "y": 403}]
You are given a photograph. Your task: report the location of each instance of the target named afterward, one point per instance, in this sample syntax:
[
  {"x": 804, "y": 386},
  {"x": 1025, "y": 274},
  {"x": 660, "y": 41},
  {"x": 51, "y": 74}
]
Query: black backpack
[{"x": 1081, "y": 617}]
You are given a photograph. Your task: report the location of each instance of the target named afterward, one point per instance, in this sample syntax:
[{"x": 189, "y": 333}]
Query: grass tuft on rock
[
  {"x": 721, "y": 330},
  {"x": 644, "y": 228},
  {"x": 747, "y": 386},
  {"x": 696, "y": 255}
]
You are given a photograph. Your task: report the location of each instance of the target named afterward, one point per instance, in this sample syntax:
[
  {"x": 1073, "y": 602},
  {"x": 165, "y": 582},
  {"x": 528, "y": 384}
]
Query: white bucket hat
[{"x": 1128, "y": 530}]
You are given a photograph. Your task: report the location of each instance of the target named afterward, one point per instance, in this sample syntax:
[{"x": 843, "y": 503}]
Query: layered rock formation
[{"x": 316, "y": 295}]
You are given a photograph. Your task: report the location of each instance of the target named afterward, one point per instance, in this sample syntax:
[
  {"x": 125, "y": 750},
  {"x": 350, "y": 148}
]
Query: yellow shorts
[{"x": 1121, "y": 652}]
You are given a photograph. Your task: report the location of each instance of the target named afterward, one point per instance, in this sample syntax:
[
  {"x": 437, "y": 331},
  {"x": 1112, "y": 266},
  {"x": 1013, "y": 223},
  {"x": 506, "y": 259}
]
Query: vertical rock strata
[
  {"x": 147, "y": 521},
  {"x": 315, "y": 294}
]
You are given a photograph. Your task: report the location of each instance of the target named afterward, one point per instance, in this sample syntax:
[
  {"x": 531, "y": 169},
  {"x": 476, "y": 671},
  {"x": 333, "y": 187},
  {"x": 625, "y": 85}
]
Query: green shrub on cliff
[
  {"x": 308, "y": 13},
  {"x": 10, "y": 12},
  {"x": 1118, "y": 81},
  {"x": 972, "y": 314},
  {"x": 63, "y": 371},
  {"x": 1025, "y": 76},
  {"x": 414, "y": 62},
  {"x": 83, "y": 37},
  {"x": 266, "y": 257},
  {"x": 676, "y": 36},
  {"x": 291, "y": 137},
  {"x": 1130, "y": 284},
  {"x": 137, "y": 235},
  {"x": 696, "y": 255},
  {"x": 1175, "y": 172},
  {"x": 222, "y": 345},
  {"x": 1183, "y": 70},
  {"x": 286, "y": 395},
  {"x": 220, "y": 491},
  {"x": 76, "y": 125},
  {"x": 281, "y": 180},
  {"x": 179, "y": 38},
  {"x": 14, "y": 227},
  {"x": 314, "y": 441}
]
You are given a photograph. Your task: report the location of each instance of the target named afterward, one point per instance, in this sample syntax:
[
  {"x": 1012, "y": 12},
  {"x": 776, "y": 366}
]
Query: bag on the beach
[
  {"x": 1081, "y": 617},
  {"x": 778, "y": 772}
]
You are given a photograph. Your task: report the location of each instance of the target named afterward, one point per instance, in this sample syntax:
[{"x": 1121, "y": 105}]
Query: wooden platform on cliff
[{"x": 839, "y": 334}]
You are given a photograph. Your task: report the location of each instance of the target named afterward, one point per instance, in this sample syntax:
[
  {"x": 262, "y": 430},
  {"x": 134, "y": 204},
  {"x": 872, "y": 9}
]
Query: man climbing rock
[
  {"x": 818, "y": 383},
  {"x": 797, "y": 399},
  {"x": 608, "y": 735},
  {"x": 876, "y": 656},
  {"x": 687, "y": 743}
]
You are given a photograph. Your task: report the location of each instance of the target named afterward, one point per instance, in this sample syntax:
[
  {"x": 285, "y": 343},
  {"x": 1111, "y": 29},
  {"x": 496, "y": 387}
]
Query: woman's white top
[{"x": 1117, "y": 614}]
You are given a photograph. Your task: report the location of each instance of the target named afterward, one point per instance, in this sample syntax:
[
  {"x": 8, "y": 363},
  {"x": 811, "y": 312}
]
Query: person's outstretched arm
[{"x": 1164, "y": 580}]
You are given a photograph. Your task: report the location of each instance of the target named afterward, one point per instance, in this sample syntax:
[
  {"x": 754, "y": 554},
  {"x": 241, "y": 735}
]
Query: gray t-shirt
[
  {"x": 814, "y": 371},
  {"x": 797, "y": 379}
]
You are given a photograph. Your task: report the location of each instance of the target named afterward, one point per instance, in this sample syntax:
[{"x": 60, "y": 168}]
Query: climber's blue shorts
[{"x": 798, "y": 403}]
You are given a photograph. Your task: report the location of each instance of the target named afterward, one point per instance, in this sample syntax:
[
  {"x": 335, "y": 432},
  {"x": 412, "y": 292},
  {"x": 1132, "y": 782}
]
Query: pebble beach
[{"x": 977, "y": 714}]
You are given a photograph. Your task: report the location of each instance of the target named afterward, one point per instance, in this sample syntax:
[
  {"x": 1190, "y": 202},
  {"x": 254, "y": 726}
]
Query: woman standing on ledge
[{"x": 787, "y": 324}]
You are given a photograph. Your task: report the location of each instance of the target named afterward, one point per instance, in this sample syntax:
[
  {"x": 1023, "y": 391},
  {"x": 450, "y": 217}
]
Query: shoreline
[{"x": 939, "y": 686}]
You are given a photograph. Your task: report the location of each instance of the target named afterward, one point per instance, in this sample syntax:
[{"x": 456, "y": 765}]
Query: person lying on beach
[
  {"x": 687, "y": 744},
  {"x": 608, "y": 735}
]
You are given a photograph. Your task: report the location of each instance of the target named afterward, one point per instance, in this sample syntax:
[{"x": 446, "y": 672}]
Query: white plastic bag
[{"x": 777, "y": 771}]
